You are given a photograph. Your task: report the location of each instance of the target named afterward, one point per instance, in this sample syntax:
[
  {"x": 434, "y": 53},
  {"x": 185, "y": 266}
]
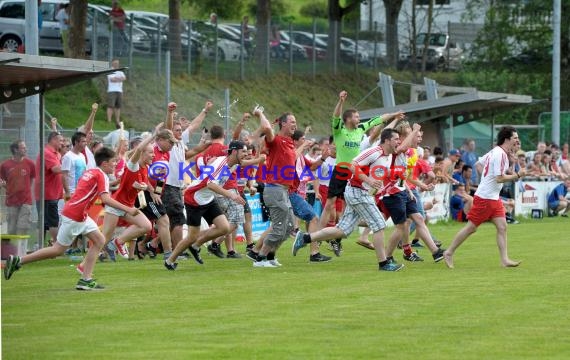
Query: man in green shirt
[{"x": 347, "y": 133}]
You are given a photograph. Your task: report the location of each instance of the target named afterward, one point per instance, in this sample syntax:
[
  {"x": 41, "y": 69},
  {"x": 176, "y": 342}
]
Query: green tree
[
  {"x": 336, "y": 13},
  {"x": 392, "y": 8},
  {"x": 314, "y": 10},
  {"x": 174, "y": 29},
  {"x": 223, "y": 8}
]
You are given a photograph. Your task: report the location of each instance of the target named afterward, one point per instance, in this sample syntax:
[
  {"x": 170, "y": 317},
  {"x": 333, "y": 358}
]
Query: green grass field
[{"x": 345, "y": 309}]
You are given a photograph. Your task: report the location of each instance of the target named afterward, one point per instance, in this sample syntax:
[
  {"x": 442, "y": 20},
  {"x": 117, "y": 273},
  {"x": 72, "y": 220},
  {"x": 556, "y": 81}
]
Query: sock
[
  {"x": 231, "y": 252},
  {"x": 249, "y": 246},
  {"x": 407, "y": 249},
  {"x": 307, "y": 238},
  {"x": 271, "y": 256},
  {"x": 195, "y": 247},
  {"x": 215, "y": 245},
  {"x": 382, "y": 263}
]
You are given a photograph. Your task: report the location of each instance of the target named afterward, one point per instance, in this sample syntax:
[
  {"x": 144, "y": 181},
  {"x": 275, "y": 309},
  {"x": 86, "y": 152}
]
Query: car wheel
[{"x": 10, "y": 43}]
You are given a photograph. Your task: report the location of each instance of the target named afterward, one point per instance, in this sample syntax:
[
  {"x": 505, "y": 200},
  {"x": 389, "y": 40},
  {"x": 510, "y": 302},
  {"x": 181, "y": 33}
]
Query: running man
[
  {"x": 487, "y": 205},
  {"x": 75, "y": 221}
]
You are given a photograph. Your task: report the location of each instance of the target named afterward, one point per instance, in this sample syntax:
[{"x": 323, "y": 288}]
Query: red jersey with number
[
  {"x": 92, "y": 184},
  {"x": 207, "y": 156}
]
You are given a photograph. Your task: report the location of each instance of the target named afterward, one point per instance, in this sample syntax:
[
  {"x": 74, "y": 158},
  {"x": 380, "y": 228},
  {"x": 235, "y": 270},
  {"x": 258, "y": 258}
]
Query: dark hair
[
  {"x": 348, "y": 113},
  {"x": 466, "y": 167},
  {"x": 283, "y": 119},
  {"x": 216, "y": 132},
  {"x": 387, "y": 135},
  {"x": 331, "y": 139},
  {"x": 438, "y": 159},
  {"x": 298, "y": 134},
  {"x": 505, "y": 133},
  {"x": 15, "y": 145},
  {"x": 52, "y": 135},
  {"x": 77, "y": 137},
  {"x": 437, "y": 151},
  {"x": 103, "y": 154}
]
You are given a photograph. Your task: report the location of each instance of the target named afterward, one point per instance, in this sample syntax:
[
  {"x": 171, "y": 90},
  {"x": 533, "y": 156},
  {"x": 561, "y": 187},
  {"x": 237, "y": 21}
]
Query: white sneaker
[
  {"x": 274, "y": 262},
  {"x": 121, "y": 248},
  {"x": 264, "y": 263}
]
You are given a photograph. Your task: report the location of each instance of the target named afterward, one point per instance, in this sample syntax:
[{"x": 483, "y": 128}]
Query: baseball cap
[
  {"x": 453, "y": 152},
  {"x": 236, "y": 145},
  {"x": 166, "y": 135}
]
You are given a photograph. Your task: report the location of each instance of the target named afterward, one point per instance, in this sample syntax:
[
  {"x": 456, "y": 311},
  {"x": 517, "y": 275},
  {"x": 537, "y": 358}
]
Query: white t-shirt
[
  {"x": 177, "y": 157},
  {"x": 90, "y": 159},
  {"x": 365, "y": 144},
  {"x": 61, "y": 17},
  {"x": 115, "y": 86},
  {"x": 495, "y": 163},
  {"x": 75, "y": 166},
  {"x": 324, "y": 172}
]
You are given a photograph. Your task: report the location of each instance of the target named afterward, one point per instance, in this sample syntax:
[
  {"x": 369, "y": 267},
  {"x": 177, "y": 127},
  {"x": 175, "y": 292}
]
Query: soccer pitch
[{"x": 344, "y": 309}]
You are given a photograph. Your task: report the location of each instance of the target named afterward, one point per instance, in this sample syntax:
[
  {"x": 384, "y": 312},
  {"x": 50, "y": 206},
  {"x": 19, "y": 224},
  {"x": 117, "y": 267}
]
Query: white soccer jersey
[{"x": 495, "y": 163}]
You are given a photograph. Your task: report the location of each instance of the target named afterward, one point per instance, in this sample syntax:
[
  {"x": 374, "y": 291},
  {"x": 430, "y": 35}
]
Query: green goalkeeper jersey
[{"x": 347, "y": 141}]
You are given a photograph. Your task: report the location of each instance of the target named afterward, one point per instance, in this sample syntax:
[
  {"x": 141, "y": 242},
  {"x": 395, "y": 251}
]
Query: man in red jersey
[
  {"x": 199, "y": 200},
  {"x": 278, "y": 175},
  {"x": 75, "y": 221},
  {"x": 487, "y": 205},
  {"x": 53, "y": 183},
  {"x": 16, "y": 175}
]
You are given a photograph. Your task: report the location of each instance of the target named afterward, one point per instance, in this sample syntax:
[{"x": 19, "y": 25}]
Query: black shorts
[
  {"x": 172, "y": 200},
  {"x": 51, "y": 213},
  {"x": 400, "y": 206},
  {"x": 337, "y": 185},
  {"x": 209, "y": 212},
  {"x": 152, "y": 211}
]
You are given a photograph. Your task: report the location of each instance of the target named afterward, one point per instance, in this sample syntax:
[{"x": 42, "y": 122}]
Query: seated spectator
[
  {"x": 460, "y": 203},
  {"x": 557, "y": 201},
  {"x": 438, "y": 170},
  {"x": 534, "y": 167},
  {"x": 565, "y": 152},
  {"x": 465, "y": 177}
]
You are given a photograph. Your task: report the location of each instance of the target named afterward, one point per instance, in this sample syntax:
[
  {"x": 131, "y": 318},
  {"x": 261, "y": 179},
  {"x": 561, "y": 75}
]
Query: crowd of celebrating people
[{"x": 154, "y": 189}]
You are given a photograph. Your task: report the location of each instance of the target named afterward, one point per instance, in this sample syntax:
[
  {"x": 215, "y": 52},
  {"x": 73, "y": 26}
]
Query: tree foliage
[
  {"x": 225, "y": 9},
  {"x": 78, "y": 20},
  {"x": 314, "y": 10}
]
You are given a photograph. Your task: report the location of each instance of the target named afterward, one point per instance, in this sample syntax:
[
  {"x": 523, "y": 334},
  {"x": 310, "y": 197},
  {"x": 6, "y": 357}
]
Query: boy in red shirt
[{"x": 75, "y": 221}]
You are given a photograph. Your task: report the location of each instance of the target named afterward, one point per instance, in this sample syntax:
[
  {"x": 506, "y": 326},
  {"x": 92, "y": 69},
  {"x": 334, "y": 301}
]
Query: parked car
[
  {"x": 305, "y": 39},
  {"x": 348, "y": 51},
  {"x": 228, "y": 42},
  {"x": 442, "y": 53},
  {"x": 12, "y": 27}
]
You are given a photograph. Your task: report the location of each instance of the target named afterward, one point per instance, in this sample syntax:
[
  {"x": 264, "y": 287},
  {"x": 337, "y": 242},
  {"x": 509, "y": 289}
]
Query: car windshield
[{"x": 434, "y": 39}]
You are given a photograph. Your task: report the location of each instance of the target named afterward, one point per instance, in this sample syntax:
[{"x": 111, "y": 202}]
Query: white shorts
[
  {"x": 112, "y": 210},
  {"x": 70, "y": 229}
]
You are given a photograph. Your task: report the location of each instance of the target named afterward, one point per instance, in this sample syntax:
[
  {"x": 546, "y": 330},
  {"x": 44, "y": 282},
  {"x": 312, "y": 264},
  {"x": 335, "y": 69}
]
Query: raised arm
[
  {"x": 239, "y": 127},
  {"x": 409, "y": 139},
  {"x": 264, "y": 125},
  {"x": 197, "y": 122},
  {"x": 338, "y": 108},
  {"x": 88, "y": 126},
  {"x": 169, "y": 121},
  {"x": 135, "y": 157}
]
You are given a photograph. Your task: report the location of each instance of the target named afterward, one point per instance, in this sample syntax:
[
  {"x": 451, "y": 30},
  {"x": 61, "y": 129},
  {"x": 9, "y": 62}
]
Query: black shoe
[
  {"x": 215, "y": 250},
  {"x": 413, "y": 257},
  {"x": 252, "y": 255},
  {"x": 171, "y": 267},
  {"x": 318, "y": 257},
  {"x": 196, "y": 254},
  {"x": 335, "y": 245},
  {"x": 151, "y": 251},
  {"x": 438, "y": 255},
  {"x": 416, "y": 243},
  {"x": 249, "y": 246},
  {"x": 233, "y": 255}
]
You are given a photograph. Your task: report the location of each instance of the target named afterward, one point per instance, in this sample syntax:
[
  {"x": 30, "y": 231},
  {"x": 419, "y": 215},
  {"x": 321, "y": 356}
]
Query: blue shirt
[
  {"x": 558, "y": 191},
  {"x": 470, "y": 158},
  {"x": 456, "y": 204}
]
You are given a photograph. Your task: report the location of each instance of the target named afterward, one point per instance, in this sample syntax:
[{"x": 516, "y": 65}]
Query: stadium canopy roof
[
  {"x": 465, "y": 107},
  {"x": 23, "y": 75}
]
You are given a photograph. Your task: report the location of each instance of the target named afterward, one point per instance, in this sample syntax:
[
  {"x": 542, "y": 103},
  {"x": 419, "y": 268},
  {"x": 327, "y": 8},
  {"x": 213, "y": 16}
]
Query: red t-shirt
[
  {"x": 53, "y": 181},
  {"x": 422, "y": 167},
  {"x": 198, "y": 193},
  {"x": 91, "y": 185},
  {"x": 127, "y": 194},
  {"x": 162, "y": 157},
  {"x": 280, "y": 167},
  {"x": 213, "y": 151},
  {"x": 118, "y": 12},
  {"x": 18, "y": 176}
]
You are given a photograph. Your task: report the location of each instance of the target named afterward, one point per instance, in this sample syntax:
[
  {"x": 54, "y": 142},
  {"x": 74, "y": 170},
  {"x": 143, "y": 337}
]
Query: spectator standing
[
  {"x": 16, "y": 175},
  {"x": 118, "y": 18},
  {"x": 62, "y": 18},
  {"x": 469, "y": 157},
  {"x": 73, "y": 164},
  {"x": 114, "y": 136},
  {"x": 53, "y": 183},
  {"x": 115, "y": 93}
]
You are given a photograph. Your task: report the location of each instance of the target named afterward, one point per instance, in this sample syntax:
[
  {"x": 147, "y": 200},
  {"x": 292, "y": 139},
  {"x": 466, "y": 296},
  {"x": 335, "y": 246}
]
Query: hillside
[{"x": 312, "y": 101}]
